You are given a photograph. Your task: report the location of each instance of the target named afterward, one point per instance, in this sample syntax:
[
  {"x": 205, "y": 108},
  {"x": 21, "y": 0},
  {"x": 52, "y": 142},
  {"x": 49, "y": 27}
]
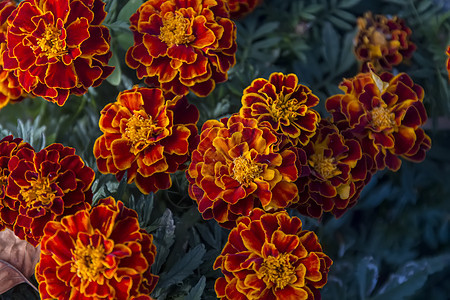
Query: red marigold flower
[
  {"x": 100, "y": 253},
  {"x": 337, "y": 173},
  {"x": 146, "y": 135},
  {"x": 240, "y": 8},
  {"x": 382, "y": 41},
  {"x": 283, "y": 105},
  {"x": 448, "y": 61},
  {"x": 10, "y": 90},
  {"x": 385, "y": 114},
  {"x": 9, "y": 146},
  {"x": 235, "y": 169},
  {"x": 269, "y": 256},
  {"x": 58, "y": 47},
  {"x": 182, "y": 45},
  {"x": 44, "y": 186}
]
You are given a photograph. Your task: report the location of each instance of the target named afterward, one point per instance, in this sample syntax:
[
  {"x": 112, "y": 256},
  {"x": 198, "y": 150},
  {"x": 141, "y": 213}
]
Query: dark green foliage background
[{"x": 394, "y": 244}]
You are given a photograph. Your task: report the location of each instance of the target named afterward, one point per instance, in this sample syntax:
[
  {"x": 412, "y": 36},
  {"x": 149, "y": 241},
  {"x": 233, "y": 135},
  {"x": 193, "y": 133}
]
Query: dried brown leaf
[{"x": 18, "y": 259}]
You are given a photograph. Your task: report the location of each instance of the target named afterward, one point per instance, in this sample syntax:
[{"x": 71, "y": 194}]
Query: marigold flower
[
  {"x": 58, "y": 47},
  {"x": 448, "y": 61},
  {"x": 382, "y": 41},
  {"x": 240, "y": 8},
  {"x": 385, "y": 114},
  {"x": 43, "y": 187},
  {"x": 182, "y": 45},
  {"x": 100, "y": 253},
  {"x": 269, "y": 256},
  {"x": 336, "y": 166},
  {"x": 9, "y": 146},
  {"x": 10, "y": 90},
  {"x": 235, "y": 169},
  {"x": 283, "y": 105},
  {"x": 147, "y": 135}
]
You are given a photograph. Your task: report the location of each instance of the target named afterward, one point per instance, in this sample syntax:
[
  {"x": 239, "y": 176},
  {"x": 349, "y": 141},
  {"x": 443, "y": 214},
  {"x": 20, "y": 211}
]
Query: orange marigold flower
[
  {"x": 182, "y": 45},
  {"x": 240, "y": 8},
  {"x": 100, "y": 253},
  {"x": 58, "y": 47},
  {"x": 385, "y": 114},
  {"x": 9, "y": 146},
  {"x": 337, "y": 173},
  {"x": 283, "y": 105},
  {"x": 10, "y": 90},
  {"x": 146, "y": 135},
  {"x": 44, "y": 186},
  {"x": 269, "y": 256},
  {"x": 235, "y": 169},
  {"x": 382, "y": 41}
]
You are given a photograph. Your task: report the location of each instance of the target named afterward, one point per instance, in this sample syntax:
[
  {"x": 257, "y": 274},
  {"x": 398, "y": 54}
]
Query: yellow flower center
[
  {"x": 174, "y": 30},
  {"x": 382, "y": 118},
  {"x": 139, "y": 132},
  {"x": 278, "y": 271},
  {"x": 50, "y": 42},
  {"x": 40, "y": 191},
  {"x": 245, "y": 171},
  {"x": 325, "y": 166},
  {"x": 285, "y": 108},
  {"x": 88, "y": 262}
]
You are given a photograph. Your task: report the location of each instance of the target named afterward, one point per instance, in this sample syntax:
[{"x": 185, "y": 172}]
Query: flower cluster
[
  {"x": 10, "y": 89},
  {"x": 385, "y": 114},
  {"x": 100, "y": 253},
  {"x": 146, "y": 135},
  {"x": 58, "y": 48},
  {"x": 237, "y": 168},
  {"x": 270, "y": 256},
  {"x": 41, "y": 186},
  {"x": 183, "y": 45},
  {"x": 382, "y": 41},
  {"x": 240, "y": 8}
]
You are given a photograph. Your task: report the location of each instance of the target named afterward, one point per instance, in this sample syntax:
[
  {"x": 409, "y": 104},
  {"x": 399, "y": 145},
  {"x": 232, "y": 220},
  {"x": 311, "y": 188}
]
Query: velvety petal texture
[
  {"x": 383, "y": 41},
  {"x": 336, "y": 173},
  {"x": 58, "y": 48},
  {"x": 98, "y": 253},
  {"x": 10, "y": 89},
  {"x": 385, "y": 114},
  {"x": 269, "y": 256},
  {"x": 9, "y": 147},
  {"x": 181, "y": 46},
  {"x": 146, "y": 134},
  {"x": 43, "y": 186},
  {"x": 240, "y": 8},
  {"x": 237, "y": 167},
  {"x": 283, "y": 105}
]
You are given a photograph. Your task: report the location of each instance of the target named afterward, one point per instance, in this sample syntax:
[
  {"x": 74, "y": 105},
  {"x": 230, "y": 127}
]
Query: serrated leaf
[
  {"x": 128, "y": 9},
  {"x": 164, "y": 239},
  {"x": 330, "y": 45},
  {"x": 183, "y": 268},
  {"x": 18, "y": 259},
  {"x": 196, "y": 292}
]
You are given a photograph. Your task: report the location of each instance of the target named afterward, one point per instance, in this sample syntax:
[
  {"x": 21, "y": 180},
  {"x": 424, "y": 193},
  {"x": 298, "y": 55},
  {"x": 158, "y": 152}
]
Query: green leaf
[
  {"x": 367, "y": 276},
  {"x": 330, "y": 39},
  {"x": 164, "y": 239},
  {"x": 348, "y": 3},
  {"x": 404, "y": 283},
  {"x": 196, "y": 292},
  {"x": 128, "y": 9},
  {"x": 115, "y": 77},
  {"x": 183, "y": 268}
]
